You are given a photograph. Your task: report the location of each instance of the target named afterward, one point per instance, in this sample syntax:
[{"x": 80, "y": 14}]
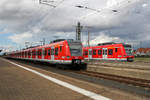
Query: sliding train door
[
  {"x": 52, "y": 54},
  {"x": 90, "y": 54},
  {"x": 105, "y": 53}
]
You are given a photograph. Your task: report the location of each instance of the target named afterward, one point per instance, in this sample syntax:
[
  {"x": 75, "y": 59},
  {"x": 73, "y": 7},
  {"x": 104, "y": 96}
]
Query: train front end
[
  {"x": 76, "y": 55},
  {"x": 129, "y": 52}
]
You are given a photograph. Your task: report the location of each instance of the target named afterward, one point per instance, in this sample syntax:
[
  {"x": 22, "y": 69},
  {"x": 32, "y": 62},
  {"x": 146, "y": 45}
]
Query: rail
[{"x": 128, "y": 80}]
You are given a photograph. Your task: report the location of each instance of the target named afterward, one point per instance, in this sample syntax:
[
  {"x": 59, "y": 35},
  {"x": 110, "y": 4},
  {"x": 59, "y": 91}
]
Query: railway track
[{"x": 128, "y": 80}]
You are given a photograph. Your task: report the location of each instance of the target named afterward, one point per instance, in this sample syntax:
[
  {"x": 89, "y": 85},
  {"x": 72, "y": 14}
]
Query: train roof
[
  {"x": 110, "y": 44},
  {"x": 107, "y": 43},
  {"x": 113, "y": 43},
  {"x": 58, "y": 41}
]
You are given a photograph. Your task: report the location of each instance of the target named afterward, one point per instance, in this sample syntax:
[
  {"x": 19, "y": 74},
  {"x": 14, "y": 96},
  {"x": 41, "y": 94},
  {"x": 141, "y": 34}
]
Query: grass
[{"x": 142, "y": 59}]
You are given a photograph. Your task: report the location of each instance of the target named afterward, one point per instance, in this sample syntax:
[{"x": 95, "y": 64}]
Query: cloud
[
  {"x": 29, "y": 21},
  {"x": 6, "y": 48},
  {"x": 20, "y": 38},
  {"x": 102, "y": 38}
]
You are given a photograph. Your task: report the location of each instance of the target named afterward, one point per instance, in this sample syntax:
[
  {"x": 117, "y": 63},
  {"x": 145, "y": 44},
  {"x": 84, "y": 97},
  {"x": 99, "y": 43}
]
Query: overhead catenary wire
[
  {"x": 86, "y": 7},
  {"x": 97, "y": 10},
  {"x": 48, "y": 11},
  {"x": 109, "y": 8}
]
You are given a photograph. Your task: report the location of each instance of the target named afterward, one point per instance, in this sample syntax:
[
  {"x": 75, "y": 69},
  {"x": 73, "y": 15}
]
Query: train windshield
[
  {"x": 75, "y": 48},
  {"x": 128, "y": 49}
]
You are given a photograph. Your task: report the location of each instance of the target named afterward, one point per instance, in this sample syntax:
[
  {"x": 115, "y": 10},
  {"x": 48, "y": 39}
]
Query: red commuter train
[
  {"x": 109, "y": 51},
  {"x": 57, "y": 52}
]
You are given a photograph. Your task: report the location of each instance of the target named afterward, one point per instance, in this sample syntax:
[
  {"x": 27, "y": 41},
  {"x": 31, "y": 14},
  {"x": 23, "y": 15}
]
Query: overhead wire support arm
[
  {"x": 84, "y": 7},
  {"x": 87, "y": 8},
  {"x": 46, "y": 3}
]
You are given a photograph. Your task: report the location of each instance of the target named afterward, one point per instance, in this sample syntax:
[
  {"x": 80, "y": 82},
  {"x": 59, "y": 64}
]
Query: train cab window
[
  {"x": 116, "y": 49},
  {"x": 94, "y": 52},
  {"x": 110, "y": 52},
  {"x": 49, "y": 52},
  {"x": 99, "y": 52},
  {"x": 56, "y": 51}
]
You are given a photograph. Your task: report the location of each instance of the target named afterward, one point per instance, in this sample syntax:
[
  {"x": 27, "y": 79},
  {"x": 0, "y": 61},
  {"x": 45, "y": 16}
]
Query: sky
[{"x": 28, "y": 21}]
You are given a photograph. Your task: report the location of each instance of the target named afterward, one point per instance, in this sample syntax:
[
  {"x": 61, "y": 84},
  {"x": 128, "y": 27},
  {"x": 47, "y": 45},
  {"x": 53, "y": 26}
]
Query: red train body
[
  {"x": 58, "y": 52},
  {"x": 109, "y": 51}
]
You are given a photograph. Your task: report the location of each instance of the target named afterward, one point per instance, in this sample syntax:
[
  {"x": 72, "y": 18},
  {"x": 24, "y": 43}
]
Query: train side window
[
  {"x": 37, "y": 52},
  {"x": 110, "y": 52},
  {"x": 116, "y": 49},
  {"x": 45, "y": 53},
  {"x": 34, "y": 53},
  {"x": 29, "y": 54},
  {"x": 60, "y": 48},
  {"x": 40, "y": 53},
  {"x": 99, "y": 52},
  {"x": 49, "y": 52},
  {"x": 94, "y": 52},
  {"x": 26, "y": 53},
  {"x": 56, "y": 51},
  {"x": 85, "y": 52},
  {"x": 105, "y": 52}
]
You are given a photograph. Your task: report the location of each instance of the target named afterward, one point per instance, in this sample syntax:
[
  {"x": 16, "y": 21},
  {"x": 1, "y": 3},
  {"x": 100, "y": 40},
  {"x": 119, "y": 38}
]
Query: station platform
[
  {"x": 19, "y": 84},
  {"x": 23, "y": 81}
]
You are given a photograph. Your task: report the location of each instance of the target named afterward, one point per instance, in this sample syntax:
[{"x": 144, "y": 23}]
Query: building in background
[{"x": 142, "y": 52}]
